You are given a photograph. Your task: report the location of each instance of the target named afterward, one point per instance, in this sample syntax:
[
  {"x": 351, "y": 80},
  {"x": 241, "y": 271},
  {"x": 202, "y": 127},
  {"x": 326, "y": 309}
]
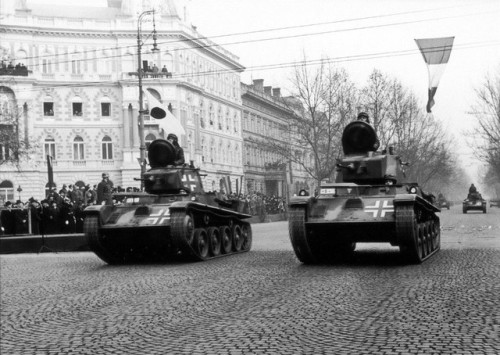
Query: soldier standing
[{"x": 104, "y": 190}]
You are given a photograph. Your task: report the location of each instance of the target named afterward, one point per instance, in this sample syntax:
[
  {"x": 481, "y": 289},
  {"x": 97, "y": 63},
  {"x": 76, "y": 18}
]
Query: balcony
[{"x": 151, "y": 75}]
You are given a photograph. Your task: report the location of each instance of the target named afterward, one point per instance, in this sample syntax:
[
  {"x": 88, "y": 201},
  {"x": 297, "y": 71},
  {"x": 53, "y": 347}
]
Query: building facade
[
  {"x": 266, "y": 116},
  {"x": 77, "y": 98}
]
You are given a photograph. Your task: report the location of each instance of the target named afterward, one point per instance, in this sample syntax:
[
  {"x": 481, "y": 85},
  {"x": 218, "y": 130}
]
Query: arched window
[
  {"x": 6, "y": 191},
  {"x": 21, "y": 57},
  {"x": 78, "y": 148},
  {"x": 128, "y": 63},
  {"x": 107, "y": 148},
  {"x": 49, "y": 148},
  {"x": 104, "y": 62}
]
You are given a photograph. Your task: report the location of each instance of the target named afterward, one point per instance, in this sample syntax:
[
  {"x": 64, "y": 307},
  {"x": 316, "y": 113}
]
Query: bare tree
[
  {"x": 400, "y": 122},
  {"x": 322, "y": 100},
  {"x": 487, "y": 112},
  {"x": 14, "y": 142}
]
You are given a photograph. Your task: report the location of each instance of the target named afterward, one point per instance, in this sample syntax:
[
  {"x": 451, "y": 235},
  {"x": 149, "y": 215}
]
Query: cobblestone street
[{"x": 263, "y": 301}]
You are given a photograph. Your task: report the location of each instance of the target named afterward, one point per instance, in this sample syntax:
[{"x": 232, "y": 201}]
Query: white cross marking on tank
[
  {"x": 373, "y": 209},
  {"x": 191, "y": 184},
  {"x": 385, "y": 208},
  {"x": 154, "y": 220}
]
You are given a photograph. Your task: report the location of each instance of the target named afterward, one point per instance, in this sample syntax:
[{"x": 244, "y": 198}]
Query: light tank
[
  {"x": 370, "y": 201},
  {"x": 173, "y": 219}
]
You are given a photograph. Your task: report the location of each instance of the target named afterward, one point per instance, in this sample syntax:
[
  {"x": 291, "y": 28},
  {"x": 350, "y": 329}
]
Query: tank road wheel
[
  {"x": 246, "y": 231},
  {"x": 297, "y": 231},
  {"x": 201, "y": 244},
  {"x": 436, "y": 240},
  {"x": 182, "y": 231},
  {"x": 237, "y": 238},
  {"x": 421, "y": 240},
  {"x": 91, "y": 227},
  {"x": 407, "y": 231},
  {"x": 226, "y": 240},
  {"x": 215, "y": 241},
  {"x": 428, "y": 230}
]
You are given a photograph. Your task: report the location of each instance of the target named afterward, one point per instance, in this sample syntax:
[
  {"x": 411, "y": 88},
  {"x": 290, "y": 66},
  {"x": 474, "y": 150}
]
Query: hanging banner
[{"x": 436, "y": 53}]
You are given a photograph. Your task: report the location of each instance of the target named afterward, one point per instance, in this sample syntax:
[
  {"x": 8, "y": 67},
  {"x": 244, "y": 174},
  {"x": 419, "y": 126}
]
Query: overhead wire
[
  {"x": 263, "y": 30},
  {"x": 313, "y": 62}
]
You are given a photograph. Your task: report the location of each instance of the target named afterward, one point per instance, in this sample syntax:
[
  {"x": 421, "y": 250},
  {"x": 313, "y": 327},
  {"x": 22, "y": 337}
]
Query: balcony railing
[{"x": 153, "y": 75}]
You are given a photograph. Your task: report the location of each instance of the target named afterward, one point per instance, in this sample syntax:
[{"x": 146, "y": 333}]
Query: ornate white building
[{"x": 78, "y": 100}]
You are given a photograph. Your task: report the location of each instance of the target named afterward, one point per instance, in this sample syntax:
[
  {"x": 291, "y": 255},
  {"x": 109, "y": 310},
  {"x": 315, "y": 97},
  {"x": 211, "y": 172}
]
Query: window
[
  {"x": 77, "y": 106},
  {"x": 46, "y": 65},
  {"x": 6, "y": 191},
  {"x": 105, "y": 109},
  {"x": 4, "y": 151},
  {"x": 49, "y": 147},
  {"x": 76, "y": 64},
  {"x": 48, "y": 109},
  {"x": 107, "y": 148},
  {"x": 78, "y": 148}
]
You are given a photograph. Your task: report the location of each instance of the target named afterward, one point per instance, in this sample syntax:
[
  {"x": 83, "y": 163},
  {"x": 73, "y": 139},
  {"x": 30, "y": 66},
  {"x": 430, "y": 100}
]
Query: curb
[{"x": 43, "y": 244}]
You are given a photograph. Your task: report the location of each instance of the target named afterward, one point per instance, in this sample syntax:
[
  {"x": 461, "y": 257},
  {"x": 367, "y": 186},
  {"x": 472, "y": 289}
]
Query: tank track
[
  {"x": 201, "y": 235},
  {"x": 91, "y": 226},
  {"x": 196, "y": 240},
  {"x": 418, "y": 234}
]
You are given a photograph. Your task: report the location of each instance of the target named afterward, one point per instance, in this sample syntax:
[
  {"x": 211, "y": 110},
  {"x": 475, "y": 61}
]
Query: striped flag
[{"x": 436, "y": 53}]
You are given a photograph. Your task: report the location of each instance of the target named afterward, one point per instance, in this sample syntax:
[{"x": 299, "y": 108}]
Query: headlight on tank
[
  {"x": 413, "y": 190},
  {"x": 193, "y": 198}
]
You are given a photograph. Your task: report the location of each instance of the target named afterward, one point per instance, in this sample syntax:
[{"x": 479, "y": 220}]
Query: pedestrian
[
  {"x": 179, "y": 152},
  {"x": 104, "y": 190}
]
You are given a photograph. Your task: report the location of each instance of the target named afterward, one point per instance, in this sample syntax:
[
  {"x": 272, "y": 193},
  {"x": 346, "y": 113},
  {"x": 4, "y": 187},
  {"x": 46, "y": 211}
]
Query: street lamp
[
  {"x": 19, "y": 189},
  {"x": 140, "y": 43}
]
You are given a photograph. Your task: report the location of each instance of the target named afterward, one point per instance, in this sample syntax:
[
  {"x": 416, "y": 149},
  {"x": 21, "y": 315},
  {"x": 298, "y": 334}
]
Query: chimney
[
  {"x": 258, "y": 84},
  {"x": 267, "y": 90},
  {"x": 277, "y": 92}
]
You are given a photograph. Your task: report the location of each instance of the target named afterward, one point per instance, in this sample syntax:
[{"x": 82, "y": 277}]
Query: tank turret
[
  {"x": 164, "y": 177},
  {"x": 362, "y": 163}
]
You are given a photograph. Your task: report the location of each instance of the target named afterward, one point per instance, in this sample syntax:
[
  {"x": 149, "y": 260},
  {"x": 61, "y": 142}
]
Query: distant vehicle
[
  {"x": 474, "y": 202},
  {"x": 494, "y": 203},
  {"x": 442, "y": 202}
]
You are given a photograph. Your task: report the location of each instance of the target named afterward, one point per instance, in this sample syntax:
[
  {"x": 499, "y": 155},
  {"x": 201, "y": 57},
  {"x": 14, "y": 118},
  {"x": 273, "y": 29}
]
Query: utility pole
[{"x": 140, "y": 43}]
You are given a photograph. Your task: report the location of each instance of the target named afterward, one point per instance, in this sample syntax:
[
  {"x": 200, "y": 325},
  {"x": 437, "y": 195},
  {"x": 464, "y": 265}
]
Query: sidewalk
[{"x": 55, "y": 243}]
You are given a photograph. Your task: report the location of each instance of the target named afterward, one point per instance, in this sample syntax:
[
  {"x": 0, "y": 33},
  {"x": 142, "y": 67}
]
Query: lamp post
[
  {"x": 142, "y": 147},
  {"x": 19, "y": 189}
]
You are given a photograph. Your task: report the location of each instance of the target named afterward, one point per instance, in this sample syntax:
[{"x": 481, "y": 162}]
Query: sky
[{"x": 350, "y": 32}]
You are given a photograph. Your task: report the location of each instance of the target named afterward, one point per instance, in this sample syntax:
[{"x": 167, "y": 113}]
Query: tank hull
[
  {"x": 327, "y": 227},
  {"x": 161, "y": 228}
]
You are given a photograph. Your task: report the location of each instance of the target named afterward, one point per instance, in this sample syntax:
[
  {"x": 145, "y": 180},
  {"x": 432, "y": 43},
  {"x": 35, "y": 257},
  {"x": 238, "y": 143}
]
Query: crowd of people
[{"x": 61, "y": 212}]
